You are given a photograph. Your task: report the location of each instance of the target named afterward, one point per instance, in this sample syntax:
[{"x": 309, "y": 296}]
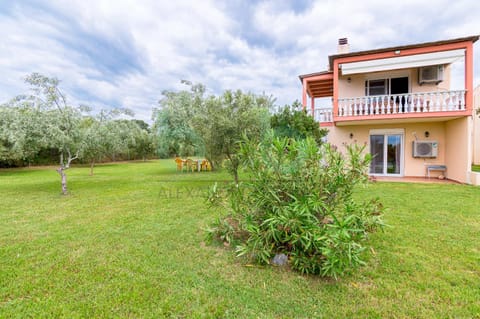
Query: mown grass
[
  {"x": 476, "y": 168},
  {"x": 128, "y": 242}
]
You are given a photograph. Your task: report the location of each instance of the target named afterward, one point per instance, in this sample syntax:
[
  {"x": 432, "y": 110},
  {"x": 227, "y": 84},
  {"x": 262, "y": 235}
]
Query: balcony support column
[
  {"x": 469, "y": 77},
  {"x": 304, "y": 93},
  {"x": 312, "y": 106},
  {"x": 335, "y": 89}
]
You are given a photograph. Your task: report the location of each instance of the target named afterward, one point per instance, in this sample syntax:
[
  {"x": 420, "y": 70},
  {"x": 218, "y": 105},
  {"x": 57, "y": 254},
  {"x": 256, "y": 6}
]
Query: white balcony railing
[
  {"x": 323, "y": 114},
  {"x": 402, "y": 103}
]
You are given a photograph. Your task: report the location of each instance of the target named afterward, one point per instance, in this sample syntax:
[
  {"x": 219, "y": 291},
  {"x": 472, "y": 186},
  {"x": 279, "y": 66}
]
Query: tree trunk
[
  {"x": 64, "y": 166},
  {"x": 234, "y": 167},
  {"x": 92, "y": 163},
  {"x": 211, "y": 163},
  {"x": 235, "y": 175},
  {"x": 63, "y": 176}
]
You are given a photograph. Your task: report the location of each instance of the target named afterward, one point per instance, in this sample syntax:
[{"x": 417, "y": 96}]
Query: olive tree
[
  {"x": 46, "y": 119},
  {"x": 223, "y": 121},
  {"x": 93, "y": 147},
  {"x": 102, "y": 136},
  {"x": 172, "y": 121},
  {"x": 22, "y": 131},
  {"x": 144, "y": 141},
  {"x": 188, "y": 121}
]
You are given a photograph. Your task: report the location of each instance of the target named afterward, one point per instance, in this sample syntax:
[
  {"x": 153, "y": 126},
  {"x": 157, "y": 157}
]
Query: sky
[{"x": 125, "y": 53}]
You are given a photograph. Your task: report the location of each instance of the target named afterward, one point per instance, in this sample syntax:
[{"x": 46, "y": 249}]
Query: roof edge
[
  {"x": 302, "y": 76},
  {"x": 332, "y": 57}
]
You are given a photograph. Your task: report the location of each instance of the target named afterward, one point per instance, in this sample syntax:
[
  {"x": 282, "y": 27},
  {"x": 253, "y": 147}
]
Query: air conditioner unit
[
  {"x": 425, "y": 149},
  {"x": 430, "y": 74}
]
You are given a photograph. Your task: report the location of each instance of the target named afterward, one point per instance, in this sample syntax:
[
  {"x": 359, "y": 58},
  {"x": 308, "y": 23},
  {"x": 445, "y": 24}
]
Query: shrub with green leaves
[
  {"x": 298, "y": 201},
  {"x": 294, "y": 122}
]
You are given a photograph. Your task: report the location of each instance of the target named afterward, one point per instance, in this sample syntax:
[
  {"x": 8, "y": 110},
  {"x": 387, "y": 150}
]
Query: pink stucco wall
[
  {"x": 356, "y": 86},
  {"x": 476, "y": 127},
  {"x": 450, "y": 135},
  {"x": 458, "y": 149}
]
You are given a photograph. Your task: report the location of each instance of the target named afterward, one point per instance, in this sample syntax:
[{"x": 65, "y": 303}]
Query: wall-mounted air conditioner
[
  {"x": 425, "y": 149},
  {"x": 430, "y": 74}
]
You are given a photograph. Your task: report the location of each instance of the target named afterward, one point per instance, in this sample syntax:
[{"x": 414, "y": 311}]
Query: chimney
[{"x": 343, "y": 46}]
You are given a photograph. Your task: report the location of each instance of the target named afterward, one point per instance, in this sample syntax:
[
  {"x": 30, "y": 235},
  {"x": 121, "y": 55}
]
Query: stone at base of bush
[{"x": 280, "y": 260}]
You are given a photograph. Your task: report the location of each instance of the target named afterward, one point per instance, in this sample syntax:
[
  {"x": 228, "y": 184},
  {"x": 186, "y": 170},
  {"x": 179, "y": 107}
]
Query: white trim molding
[
  {"x": 402, "y": 62},
  {"x": 387, "y": 131}
]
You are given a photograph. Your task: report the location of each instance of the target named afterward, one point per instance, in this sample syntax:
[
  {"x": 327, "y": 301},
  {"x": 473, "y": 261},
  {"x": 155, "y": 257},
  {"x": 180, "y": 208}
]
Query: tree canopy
[
  {"x": 43, "y": 120},
  {"x": 172, "y": 126},
  {"x": 294, "y": 122},
  {"x": 223, "y": 121},
  {"x": 188, "y": 122}
]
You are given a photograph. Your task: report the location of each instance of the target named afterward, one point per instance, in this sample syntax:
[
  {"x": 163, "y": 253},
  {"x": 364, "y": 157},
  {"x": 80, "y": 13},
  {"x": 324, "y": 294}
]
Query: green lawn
[
  {"x": 128, "y": 242},
  {"x": 476, "y": 168}
]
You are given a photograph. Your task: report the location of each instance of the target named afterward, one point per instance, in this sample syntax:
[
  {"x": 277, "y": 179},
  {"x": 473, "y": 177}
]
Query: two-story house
[{"x": 411, "y": 105}]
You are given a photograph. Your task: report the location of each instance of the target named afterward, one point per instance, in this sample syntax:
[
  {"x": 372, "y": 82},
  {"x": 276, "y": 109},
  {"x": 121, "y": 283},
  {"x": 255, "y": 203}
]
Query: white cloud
[{"x": 158, "y": 43}]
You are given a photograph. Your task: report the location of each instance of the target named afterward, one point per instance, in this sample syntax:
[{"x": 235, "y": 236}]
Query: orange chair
[
  {"x": 179, "y": 162},
  {"x": 205, "y": 165},
  {"x": 191, "y": 165}
]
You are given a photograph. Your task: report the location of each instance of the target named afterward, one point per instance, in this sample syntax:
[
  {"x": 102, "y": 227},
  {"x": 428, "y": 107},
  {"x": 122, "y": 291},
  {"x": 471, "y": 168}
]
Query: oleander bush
[{"x": 297, "y": 200}]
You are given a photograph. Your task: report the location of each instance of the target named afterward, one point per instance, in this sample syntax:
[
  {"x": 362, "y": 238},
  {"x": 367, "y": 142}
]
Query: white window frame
[
  {"x": 385, "y": 133},
  {"x": 388, "y": 77}
]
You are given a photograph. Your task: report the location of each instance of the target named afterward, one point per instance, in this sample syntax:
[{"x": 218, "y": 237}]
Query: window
[
  {"x": 386, "y": 86},
  {"x": 387, "y": 150},
  {"x": 376, "y": 87}
]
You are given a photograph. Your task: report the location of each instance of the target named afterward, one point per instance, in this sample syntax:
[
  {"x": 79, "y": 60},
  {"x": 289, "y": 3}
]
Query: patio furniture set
[{"x": 190, "y": 165}]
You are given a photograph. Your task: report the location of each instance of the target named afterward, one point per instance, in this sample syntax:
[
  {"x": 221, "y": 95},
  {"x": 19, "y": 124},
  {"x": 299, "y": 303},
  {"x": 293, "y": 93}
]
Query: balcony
[
  {"x": 322, "y": 114},
  {"x": 402, "y": 103},
  {"x": 409, "y": 105}
]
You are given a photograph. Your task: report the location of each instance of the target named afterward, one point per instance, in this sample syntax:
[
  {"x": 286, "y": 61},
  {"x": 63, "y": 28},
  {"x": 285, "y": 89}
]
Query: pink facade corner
[{"x": 388, "y": 97}]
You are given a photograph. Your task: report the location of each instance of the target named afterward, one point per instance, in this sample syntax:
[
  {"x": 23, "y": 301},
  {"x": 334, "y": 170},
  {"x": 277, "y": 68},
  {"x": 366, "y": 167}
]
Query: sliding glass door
[{"x": 387, "y": 154}]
